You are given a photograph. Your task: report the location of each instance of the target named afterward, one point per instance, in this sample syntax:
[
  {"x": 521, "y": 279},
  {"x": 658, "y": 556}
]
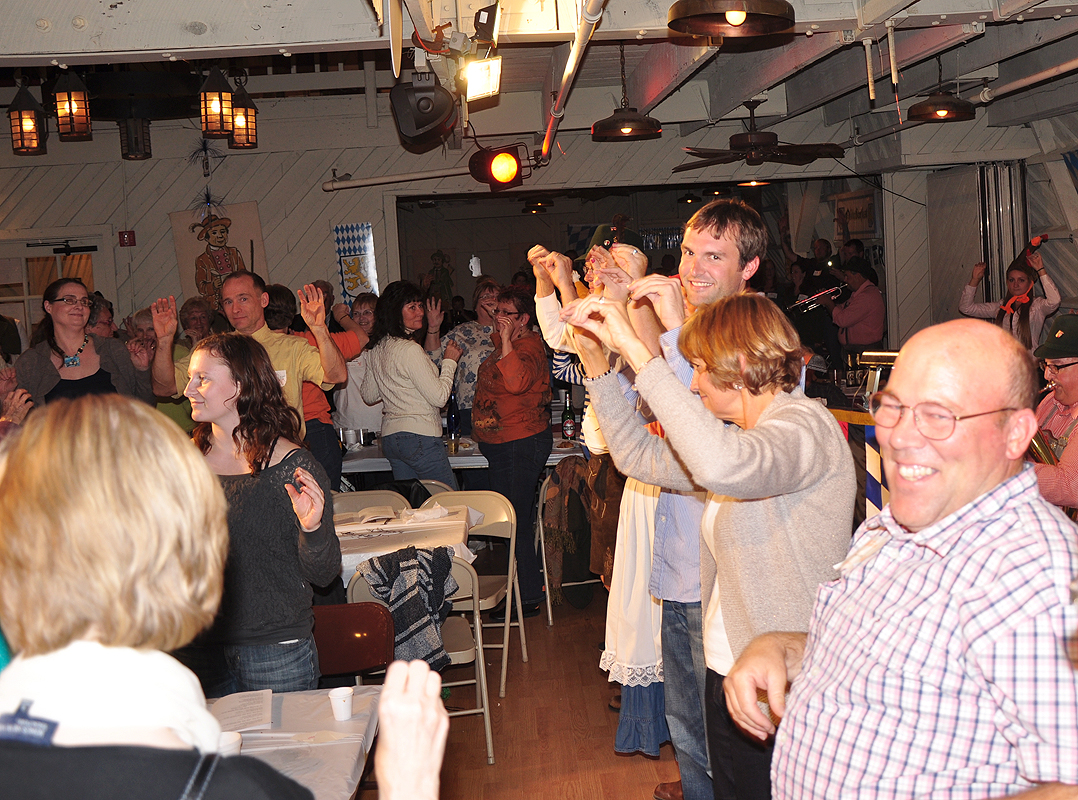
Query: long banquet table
[
  {"x": 308, "y": 745},
  {"x": 370, "y": 458}
]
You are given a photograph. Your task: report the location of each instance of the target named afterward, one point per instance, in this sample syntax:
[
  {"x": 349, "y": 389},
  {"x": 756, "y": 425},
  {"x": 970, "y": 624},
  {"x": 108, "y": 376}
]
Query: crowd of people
[{"x": 929, "y": 652}]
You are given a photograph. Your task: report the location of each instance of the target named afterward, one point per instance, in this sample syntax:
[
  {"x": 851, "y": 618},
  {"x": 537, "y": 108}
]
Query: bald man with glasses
[
  {"x": 939, "y": 663},
  {"x": 1057, "y": 414}
]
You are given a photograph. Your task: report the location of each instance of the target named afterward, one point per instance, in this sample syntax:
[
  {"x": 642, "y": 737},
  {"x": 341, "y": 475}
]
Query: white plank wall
[
  {"x": 303, "y": 139},
  {"x": 906, "y": 236}
]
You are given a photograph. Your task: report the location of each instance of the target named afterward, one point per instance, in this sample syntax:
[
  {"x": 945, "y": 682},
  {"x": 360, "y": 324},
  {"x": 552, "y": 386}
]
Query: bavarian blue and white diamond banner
[{"x": 355, "y": 260}]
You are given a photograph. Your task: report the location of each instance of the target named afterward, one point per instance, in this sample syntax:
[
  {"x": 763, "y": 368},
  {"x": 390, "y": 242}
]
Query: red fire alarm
[{"x": 127, "y": 238}]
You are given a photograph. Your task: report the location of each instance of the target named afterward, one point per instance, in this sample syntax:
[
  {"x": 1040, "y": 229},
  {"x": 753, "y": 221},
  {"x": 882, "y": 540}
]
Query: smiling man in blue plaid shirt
[{"x": 943, "y": 662}]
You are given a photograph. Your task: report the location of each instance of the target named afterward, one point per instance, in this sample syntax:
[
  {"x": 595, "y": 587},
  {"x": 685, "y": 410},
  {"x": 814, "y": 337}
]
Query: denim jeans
[
  {"x": 515, "y": 468},
  {"x": 326, "y": 448},
  {"x": 412, "y": 455},
  {"x": 226, "y": 669},
  {"x": 684, "y": 673},
  {"x": 742, "y": 765}
]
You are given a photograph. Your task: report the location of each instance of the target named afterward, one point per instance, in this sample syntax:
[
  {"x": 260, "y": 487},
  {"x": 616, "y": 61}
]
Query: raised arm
[
  {"x": 162, "y": 371},
  {"x": 313, "y": 311}
]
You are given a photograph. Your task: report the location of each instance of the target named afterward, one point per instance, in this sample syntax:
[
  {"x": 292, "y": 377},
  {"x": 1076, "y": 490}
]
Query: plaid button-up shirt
[{"x": 943, "y": 663}]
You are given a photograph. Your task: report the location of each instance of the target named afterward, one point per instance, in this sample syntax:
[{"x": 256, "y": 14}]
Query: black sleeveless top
[{"x": 98, "y": 383}]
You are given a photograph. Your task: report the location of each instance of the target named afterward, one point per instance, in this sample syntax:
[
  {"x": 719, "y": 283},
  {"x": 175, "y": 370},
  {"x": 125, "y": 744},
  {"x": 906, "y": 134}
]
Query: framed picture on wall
[
  {"x": 211, "y": 245},
  {"x": 859, "y": 210}
]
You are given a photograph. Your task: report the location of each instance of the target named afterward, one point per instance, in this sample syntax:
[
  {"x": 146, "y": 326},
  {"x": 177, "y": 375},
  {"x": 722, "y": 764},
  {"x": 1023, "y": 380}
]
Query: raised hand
[
  {"x": 665, "y": 296},
  {"x": 435, "y": 315},
  {"x": 1035, "y": 261},
  {"x": 308, "y": 501},
  {"x": 978, "y": 273},
  {"x": 8, "y": 380},
  {"x": 164, "y": 317},
  {"x": 609, "y": 322},
  {"x": 141, "y": 353},
  {"x": 630, "y": 259},
  {"x": 615, "y": 283},
  {"x": 311, "y": 306}
]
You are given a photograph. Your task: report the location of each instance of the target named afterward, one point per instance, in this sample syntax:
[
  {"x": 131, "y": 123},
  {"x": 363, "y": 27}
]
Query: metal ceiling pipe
[
  {"x": 986, "y": 95},
  {"x": 860, "y": 139},
  {"x": 379, "y": 180},
  {"x": 593, "y": 12}
]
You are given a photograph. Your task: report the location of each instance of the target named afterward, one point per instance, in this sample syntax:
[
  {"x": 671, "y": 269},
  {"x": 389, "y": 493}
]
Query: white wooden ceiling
[{"x": 819, "y": 67}]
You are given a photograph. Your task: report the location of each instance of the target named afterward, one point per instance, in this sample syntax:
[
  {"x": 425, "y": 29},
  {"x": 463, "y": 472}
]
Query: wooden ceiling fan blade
[
  {"x": 704, "y": 152},
  {"x": 710, "y": 162}
]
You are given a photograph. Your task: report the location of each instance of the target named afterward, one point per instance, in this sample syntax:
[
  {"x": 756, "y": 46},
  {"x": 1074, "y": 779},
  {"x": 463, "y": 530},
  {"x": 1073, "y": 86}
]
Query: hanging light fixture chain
[{"x": 624, "y": 92}]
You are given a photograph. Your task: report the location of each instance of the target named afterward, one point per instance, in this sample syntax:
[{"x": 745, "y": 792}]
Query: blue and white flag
[{"x": 355, "y": 260}]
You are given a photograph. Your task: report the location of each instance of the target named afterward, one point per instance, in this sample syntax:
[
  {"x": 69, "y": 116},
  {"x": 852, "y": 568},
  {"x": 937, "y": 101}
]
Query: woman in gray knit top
[
  {"x": 780, "y": 480},
  {"x": 280, "y": 523}
]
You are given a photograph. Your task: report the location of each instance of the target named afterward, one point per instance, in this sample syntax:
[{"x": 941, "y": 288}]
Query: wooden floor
[{"x": 553, "y": 731}]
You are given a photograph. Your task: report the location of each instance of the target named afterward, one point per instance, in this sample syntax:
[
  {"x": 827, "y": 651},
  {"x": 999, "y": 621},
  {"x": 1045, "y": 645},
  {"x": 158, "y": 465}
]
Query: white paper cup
[
  {"x": 228, "y": 744},
  {"x": 341, "y": 701},
  {"x": 350, "y": 436}
]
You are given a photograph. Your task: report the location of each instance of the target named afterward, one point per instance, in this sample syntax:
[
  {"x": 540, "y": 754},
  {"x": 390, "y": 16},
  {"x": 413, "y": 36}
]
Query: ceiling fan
[{"x": 755, "y": 147}]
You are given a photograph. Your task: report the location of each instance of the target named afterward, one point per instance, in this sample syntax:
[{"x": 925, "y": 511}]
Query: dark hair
[
  {"x": 387, "y": 313},
  {"x": 264, "y": 415},
  {"x": 521, "y": 298},
  {"x": 281, "y": 309},
  {"x": 192, "y": 304},
  {"x": 44, "y": 332},
  {"x": 100, "y": 304},
  {"x": 857, "y": 245},
  {"x": 738, "y": 219},
  {"x": 256, "y": 279}
]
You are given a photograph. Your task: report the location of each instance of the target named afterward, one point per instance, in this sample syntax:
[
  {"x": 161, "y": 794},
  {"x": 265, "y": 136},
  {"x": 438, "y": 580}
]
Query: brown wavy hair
[
  {"x": 264, "y": 414},
  {"x": 744, "y": 325}
]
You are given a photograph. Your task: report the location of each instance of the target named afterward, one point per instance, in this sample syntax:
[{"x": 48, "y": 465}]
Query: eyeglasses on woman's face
[{"x": 72, "y": 300}]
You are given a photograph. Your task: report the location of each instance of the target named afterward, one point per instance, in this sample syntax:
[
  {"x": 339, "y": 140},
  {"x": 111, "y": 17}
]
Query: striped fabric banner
[{"x": 872, "y": 494}]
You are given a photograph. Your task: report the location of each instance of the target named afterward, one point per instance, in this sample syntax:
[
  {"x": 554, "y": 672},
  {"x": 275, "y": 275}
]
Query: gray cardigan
[
  {"x": 38, "y": 375},
  {"x": 787, "y": 488}
]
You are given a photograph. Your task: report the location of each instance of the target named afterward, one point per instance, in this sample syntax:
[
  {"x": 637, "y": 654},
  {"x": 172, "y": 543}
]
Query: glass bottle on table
[
  {"x": 452, "y": 423},
  {"x": 568, "y": 421}
]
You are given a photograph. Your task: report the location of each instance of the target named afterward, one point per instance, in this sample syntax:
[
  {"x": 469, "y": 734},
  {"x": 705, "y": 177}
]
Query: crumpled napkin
[{"x": 423, "y": 514}]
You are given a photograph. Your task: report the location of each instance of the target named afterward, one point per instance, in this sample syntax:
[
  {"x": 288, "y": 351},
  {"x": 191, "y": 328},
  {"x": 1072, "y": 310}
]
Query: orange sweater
[{"x": 512, "y": 393}]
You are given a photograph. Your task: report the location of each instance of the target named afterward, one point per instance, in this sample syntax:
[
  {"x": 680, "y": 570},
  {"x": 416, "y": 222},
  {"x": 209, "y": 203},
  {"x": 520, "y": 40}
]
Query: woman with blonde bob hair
[
  {"x": 98, "y": 576},
  {"x": 776, "y": 466}
]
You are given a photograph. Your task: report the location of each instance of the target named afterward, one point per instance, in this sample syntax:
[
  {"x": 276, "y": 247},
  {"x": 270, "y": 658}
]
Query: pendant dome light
[
  {"x": 625, "y": 124},
  {"x": 731, "y": 17},
  {"x": 942, "y": 106}
]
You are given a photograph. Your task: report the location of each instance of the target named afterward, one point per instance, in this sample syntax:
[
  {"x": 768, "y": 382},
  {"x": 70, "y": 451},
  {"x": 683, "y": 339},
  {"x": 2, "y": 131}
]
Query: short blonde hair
[
  {"x": 114, "y": 529},
  {"x": 744, "y": 325}
]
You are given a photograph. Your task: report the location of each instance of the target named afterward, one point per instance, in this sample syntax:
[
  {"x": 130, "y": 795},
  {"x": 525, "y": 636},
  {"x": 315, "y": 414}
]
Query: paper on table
[
  {"x": 244, "y": 711},
  {"x": 423, "y": 514}
]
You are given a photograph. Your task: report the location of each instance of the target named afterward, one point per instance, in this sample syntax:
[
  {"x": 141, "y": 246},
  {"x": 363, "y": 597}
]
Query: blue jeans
[
  {"x": 226, "y": 669},
  {"x": 684, "y": 674},
  {"x": 515, "y": 468},
  {"x": 412, "y": 455}
]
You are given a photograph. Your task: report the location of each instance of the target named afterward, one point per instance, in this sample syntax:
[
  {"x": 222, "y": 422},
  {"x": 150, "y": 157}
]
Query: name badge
[
  {"x": 282, "y": 377},
  {"x": 21, "y": 727}
]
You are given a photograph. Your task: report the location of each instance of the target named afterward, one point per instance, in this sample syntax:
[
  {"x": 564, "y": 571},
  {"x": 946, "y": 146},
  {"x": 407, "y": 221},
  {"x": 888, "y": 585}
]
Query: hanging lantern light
[
  {"x": 216, "y": 103},
  {"x": 135, "y": 139},
  {"x": 29, "y": 129},
  {"x": 72, "y": 109},
  {"x": 244, "y": 125}
]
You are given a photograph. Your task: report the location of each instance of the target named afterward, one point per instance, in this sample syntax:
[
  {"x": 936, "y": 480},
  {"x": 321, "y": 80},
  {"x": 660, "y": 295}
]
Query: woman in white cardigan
[
  {"x": 780, "y": 480},
  {"x": 412, "y": 389}
]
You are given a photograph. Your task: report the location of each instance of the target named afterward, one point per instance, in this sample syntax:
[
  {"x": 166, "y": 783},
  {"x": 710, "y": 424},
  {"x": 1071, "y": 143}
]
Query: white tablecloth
[{"x": 312, "y": 748}]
